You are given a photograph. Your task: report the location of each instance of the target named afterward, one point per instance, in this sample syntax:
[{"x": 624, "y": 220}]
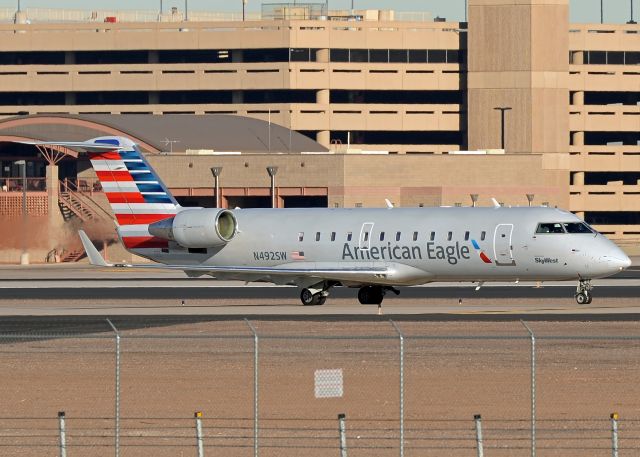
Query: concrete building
[{"x": 390, "y": 100}]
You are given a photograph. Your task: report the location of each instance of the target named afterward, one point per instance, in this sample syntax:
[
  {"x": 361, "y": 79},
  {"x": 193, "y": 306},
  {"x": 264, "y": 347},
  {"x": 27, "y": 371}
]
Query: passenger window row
[{"x": 397, "y": 236}]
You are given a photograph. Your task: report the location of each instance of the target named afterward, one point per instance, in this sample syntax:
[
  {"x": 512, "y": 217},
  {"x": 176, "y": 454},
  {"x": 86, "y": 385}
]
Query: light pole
[
  {"x": 631, "y": 21},
  {"x": 465, "y": 10},
  {"x": 530, "y": 198},
  {"x": 24, "y": 257},
  {"x": 215, "y": 171},
  {"x": 272, "y": 173},
  {"x": 502, "y": 110},
  {"x": 186, "y": 10},
  {"x": 244, "y": 6}
]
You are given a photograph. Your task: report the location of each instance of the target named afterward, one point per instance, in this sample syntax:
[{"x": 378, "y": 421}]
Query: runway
[{"x": 86, "y": 291}]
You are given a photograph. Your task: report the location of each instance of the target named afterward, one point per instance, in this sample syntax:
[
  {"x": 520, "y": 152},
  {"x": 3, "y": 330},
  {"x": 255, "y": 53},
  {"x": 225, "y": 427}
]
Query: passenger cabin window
[
  {"x": 449, "y": 236},
  {"x": 432, "y": 237},
  {"x": 333, "y": 236},
  {"x": 398, "y": 236},
  {"x": 300, "y": 236},
  {"x": 415, "y": 236},
  {"x": 349, "y": 236},
  {"x": 483, "y": 235},
  {"x": 550, "y": 227},
  {"x": 381, "y": 236},
  {"x": 317, "y": 236},
  {"x": 365, "y": 238},
  {"x": 466, "y": 236},
  {"x": 577, "y": 227}
]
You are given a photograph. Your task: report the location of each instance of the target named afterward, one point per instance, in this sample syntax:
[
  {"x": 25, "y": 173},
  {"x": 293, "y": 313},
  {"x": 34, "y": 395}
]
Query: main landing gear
[
  {"x": 312, "y": 297},
  {"x": 583, "y": 292}
]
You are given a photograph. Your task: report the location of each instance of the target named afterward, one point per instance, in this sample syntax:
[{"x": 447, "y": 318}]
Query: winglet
[
  {"x": 94, "y": 256},
  {"x": 495, "y": 203},
  {"x": 388, "y": 202}
]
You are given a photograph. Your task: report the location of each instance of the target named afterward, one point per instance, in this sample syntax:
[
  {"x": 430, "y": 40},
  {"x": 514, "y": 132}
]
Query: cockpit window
[
  {"x": 577, "y": 227},
  {"x": 550, "y": 227}
]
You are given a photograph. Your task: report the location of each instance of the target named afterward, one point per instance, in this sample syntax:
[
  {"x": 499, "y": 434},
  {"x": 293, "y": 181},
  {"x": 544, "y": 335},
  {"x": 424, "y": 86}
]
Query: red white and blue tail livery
[{"x": 137, "y": 195}]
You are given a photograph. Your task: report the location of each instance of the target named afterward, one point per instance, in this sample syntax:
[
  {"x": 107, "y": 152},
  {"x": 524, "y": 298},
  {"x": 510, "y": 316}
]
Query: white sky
[{"x": 581, "y": 10}]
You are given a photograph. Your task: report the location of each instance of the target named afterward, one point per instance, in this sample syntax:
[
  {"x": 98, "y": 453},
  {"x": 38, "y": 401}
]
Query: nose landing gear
[{"x": 583, "y": 292}]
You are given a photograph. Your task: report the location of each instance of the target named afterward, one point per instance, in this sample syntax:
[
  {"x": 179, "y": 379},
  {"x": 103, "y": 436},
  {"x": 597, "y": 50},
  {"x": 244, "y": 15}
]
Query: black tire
[
  {"x": 582, "y": 298},
  {"x": 307, "y": 298},
  {"x": 371, "y": 295},
  {"x": 589, "y": 298}
]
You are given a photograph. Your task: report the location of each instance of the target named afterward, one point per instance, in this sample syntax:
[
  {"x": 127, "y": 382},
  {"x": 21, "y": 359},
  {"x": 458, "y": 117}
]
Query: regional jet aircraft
[{"x": 374, "y": 250}]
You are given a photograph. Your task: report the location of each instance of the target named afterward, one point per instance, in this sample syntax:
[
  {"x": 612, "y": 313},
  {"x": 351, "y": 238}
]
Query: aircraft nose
[{"x": 618, "y": 263}]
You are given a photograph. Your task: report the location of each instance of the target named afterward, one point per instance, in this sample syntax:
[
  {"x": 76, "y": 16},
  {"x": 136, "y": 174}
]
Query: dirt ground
[{"x": 452, "y": 371}]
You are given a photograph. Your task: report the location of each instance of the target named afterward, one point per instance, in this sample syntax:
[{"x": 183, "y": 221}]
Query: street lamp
[
  {"x": 474, "y": 200},
  {"x": 530, "y": 198},
  {"x": 272, "y": 173},
  {"x": 631, "y": 21},
  {"x": 244, "y": 6},
  {"x": 502, "y": 109},
  {"x": 215, "y": 171},
  {"x": 601, "y": 11},
  {"x": 24, "y": 257}
]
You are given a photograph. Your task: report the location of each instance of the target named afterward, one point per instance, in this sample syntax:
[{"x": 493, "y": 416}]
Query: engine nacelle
[{"x": 197, "y": 228}]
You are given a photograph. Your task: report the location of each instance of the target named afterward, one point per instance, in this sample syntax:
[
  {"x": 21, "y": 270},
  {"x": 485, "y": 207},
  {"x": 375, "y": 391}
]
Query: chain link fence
[{"x": 273, "y": 388}]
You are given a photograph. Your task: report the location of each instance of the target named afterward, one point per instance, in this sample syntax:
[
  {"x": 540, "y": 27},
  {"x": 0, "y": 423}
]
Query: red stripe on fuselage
[
  {"x": 111, "y": 176},
  {"x": 134, "y": 219},
  {"x": 125, "y": 197},
  {"x": 144, "y": 242},
  {"x": 107, "y": 155},
  {"x": 484, "y": 258}
]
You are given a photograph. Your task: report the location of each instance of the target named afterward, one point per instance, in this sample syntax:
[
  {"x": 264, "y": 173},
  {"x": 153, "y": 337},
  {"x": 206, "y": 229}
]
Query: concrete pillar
[
  {"x": 323, "y": 97},
  {"x": 578, "y": 178},
  {"x": 578, "y": 57},
  {"x": 322, "y": 56},
  {"x": 578, "y": 138},
  {"x": 577, "y": 98},
  {"x": 69, "y": 58},
  {"x": 153, "y": 56},
  {"x": 324, "y": 138},
  {"x": 54, "y": 215}
]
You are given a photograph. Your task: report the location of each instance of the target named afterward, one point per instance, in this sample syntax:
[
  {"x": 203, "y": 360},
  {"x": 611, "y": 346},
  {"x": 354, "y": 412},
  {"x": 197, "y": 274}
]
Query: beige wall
[
  {"x": 406, "y": 180},
  {"x": 518, "y": 58}
]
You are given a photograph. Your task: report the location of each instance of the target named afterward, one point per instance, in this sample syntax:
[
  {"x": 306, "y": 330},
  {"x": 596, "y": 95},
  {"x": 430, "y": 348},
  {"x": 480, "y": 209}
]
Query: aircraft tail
[{"x": 137, "y": 195}]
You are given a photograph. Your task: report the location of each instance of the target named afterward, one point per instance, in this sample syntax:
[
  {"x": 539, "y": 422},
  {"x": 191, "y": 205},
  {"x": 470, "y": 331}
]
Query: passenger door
[{"x": 502, "y": 245}]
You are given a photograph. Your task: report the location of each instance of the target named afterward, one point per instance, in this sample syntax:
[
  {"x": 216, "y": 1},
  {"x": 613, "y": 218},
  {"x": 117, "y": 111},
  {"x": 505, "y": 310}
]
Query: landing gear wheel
[
  {"x": 583, "y": 292},
  {"x": 308, "y": 298},
  {"x": 371, "y": 295}
]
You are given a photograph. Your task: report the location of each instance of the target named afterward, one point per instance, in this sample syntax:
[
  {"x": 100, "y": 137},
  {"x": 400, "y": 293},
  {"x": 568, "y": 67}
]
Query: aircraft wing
[
  {"x": 339, "y": 274},
  {"x": 81, "y": 146}
]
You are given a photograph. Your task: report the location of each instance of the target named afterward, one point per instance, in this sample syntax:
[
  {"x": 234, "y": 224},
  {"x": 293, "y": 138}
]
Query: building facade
[{"x": 570, "y": 93}]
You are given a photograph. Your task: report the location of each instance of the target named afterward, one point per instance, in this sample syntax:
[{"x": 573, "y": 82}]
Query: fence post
[
  {"x": 199, "y": 440},
  {"x": 63, "y": 434},
  {"x": 401, "y": 336},
  {"x": 614, "y": 434},
  {"x": 342, "y": 428},
  {"x": 478, "y": 420},
  {"x": 255, "y": 387},
  {"x": 533, "y": 388},
  {"x": 117, "y": 391}
]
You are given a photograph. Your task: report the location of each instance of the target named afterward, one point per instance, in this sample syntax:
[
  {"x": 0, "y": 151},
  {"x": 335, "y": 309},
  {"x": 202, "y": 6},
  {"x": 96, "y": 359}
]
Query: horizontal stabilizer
[
  {"x": 92, "y": 253},
  {"x": 80, "y": 146}
]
